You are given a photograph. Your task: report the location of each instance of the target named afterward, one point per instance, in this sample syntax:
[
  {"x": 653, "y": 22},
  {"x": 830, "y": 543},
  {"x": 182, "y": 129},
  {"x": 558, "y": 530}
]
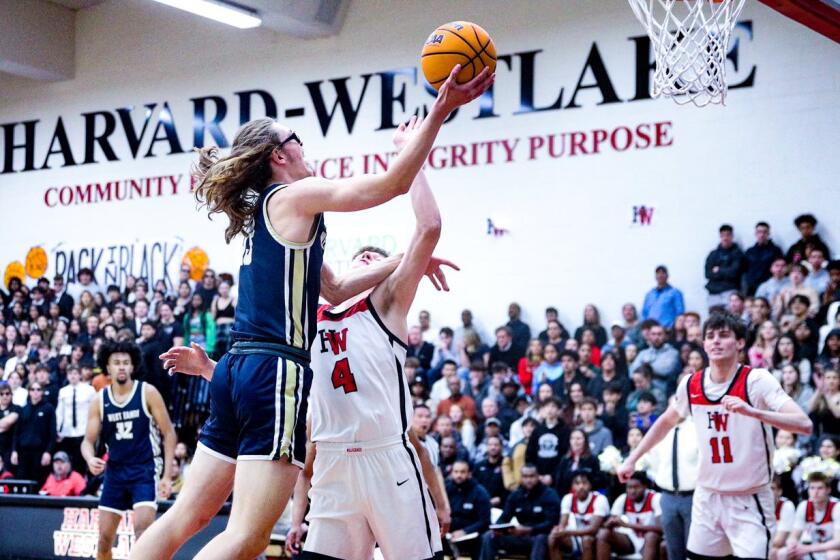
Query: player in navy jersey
[
  {"x": 129, "y": 417},
  {"x": 255, "y": 436}
]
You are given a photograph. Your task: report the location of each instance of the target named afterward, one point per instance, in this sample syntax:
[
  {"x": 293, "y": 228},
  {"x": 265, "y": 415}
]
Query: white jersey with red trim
[
  {"x": 359, "y": 391},
  {"x": 817, "y": 526},
  {"x": 584, "y": 510},
  {"x": 785, "y": 514},
  {"x": 644, "y": 513},
  {"x": 736, "y": 451}
]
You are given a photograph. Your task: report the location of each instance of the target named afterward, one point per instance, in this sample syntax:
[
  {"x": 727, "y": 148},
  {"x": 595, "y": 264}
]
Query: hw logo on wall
[{"x": 642, "y": 215}]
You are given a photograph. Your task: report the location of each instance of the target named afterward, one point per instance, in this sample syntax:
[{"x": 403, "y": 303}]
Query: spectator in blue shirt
[
  {"x": 664, "y": 302},
  {"x": 663, "y": 358}
]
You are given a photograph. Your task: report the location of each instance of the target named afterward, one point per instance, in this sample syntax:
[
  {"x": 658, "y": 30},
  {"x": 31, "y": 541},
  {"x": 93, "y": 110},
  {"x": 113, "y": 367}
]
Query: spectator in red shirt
[
  {"x": 63, "y": 481},
  {"x": 529, "y": 363}
]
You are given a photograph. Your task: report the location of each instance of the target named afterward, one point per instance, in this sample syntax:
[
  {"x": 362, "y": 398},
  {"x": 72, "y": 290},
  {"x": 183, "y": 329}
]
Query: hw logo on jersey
[
  {"x": 337, "y": 341},
  {"x": 718, "y": 421}
]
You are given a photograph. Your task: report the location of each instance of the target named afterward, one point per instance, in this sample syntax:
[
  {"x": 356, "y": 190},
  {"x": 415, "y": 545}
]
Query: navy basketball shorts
[
  {"x": 257, "y": 409},
  {"x": 119, "y": 495}
]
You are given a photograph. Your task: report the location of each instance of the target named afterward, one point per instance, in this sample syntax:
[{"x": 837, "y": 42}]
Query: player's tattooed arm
[{"x": 191, "y": 361}]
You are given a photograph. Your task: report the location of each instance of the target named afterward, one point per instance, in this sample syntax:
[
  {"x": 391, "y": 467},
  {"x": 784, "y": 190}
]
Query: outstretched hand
[
  {"x": 452, "y": 94},
  {"x": 434, "y": 272},
  {"x": 405, "y": 131},
  {"x": 191, "y": 361}
]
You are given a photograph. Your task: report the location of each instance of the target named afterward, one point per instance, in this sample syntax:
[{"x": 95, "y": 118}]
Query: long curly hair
[{"x": 231, "y": 185}]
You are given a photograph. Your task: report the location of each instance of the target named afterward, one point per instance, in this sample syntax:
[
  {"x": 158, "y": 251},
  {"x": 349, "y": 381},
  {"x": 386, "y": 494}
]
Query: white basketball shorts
[
  {"x": 638, "y": 542},
  {"x": 740, "y": 525},
  {"x": 370, "y": 493}
]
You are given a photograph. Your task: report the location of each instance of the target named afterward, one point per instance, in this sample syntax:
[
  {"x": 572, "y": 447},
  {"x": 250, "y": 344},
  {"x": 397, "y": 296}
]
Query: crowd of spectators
[
  {"x": 50, "y": 335},
  {"x": 519, "y": 421}
]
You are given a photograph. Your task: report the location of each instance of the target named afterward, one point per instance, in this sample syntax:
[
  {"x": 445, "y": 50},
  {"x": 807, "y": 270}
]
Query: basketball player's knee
[
  {"x": 106, "y": 542},
  {"x": 201, "y": 520},
  {"x": 588, "y": 540},
  {"x": 249, "y": 545},
  {"x": 603, "y": 535},
  {"x": 652, "y": 538}
]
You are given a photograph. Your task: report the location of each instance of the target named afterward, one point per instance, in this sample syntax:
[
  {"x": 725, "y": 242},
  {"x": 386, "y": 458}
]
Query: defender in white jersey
[
  {"x": 633, "y": 526},
  {"x": 816, "y": 525},
  {"x": 733, "y": 408},
  {"x": 371, "y": 479},
  {"x": 785, "y": 513}
]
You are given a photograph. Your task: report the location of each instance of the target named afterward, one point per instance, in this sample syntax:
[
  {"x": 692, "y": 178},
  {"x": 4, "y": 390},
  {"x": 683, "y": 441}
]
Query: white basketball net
[{"x": 690, "y": 39}]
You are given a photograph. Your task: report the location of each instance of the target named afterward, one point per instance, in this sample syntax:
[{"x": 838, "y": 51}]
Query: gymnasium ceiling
[{"x": 37, "y": 37}]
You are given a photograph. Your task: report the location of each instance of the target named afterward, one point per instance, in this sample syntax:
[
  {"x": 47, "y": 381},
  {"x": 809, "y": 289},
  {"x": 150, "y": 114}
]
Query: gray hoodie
[{"x": 599, "y": 438}]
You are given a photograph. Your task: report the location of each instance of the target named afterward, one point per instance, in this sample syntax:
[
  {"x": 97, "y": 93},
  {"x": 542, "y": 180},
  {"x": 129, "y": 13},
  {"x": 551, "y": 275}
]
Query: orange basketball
[{"x": 459, "y": 42}]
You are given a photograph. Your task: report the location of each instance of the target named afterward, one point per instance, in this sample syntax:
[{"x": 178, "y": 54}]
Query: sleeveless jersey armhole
[
  {"x": 279, "y": 238},
  {"x": 143, "y": 402}
]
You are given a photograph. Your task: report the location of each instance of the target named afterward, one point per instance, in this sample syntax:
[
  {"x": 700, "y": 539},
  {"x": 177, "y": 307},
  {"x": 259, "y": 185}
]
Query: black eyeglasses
[
  {"x": 292, "y": 137},
  {"x": 36, "y": 390},
  {"x": 5, "y": 394}
]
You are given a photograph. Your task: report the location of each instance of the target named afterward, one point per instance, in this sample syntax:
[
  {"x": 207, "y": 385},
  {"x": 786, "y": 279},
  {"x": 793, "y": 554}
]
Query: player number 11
[{"x": 727, "y": 450}]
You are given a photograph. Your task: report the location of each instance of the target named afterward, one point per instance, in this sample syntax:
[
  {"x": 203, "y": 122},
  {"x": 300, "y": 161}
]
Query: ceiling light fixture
[{"x": 224, "y": 12}]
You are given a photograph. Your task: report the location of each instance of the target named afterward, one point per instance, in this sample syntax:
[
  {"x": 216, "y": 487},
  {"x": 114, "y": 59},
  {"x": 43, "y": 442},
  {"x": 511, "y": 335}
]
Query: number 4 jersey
[
  {"x": 359, "y": 391},
  {"x": 736, "y": 451}
]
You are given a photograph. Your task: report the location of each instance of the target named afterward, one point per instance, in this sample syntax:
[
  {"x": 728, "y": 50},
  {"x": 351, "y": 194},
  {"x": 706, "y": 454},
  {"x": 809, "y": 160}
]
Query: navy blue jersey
[
  {"x": 130, "y": 434},
  {"x": 279, "y": 282}
]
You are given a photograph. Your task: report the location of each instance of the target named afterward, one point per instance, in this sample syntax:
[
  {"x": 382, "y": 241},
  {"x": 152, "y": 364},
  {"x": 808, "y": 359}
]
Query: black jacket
[
  {"x": 424, "y": 354},
  {"x": 546, "y": 446},
  {"x": 728, "y": 277},
  {"x": 490, "y": 477},
  {"x": 566, "y": 471},
  {"x": 65, "y": 305},
  {"x": 796, "y": 253},
  {"x": 618, "y": 424},
  {"x": 511, "y": 356},
  {"x": 470, "y": 505},
  {"x": 6, "y": 437},
  {"x": 521, "y": 332},
  {"x": 538, "y": 509},
  {"x": 35, "y": 429},
  {"x": 757, "y": 261},
  {"x": 152, "y": 367}
]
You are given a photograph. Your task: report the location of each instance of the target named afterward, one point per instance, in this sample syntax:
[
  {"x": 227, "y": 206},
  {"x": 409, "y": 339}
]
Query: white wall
[{"x": 769, "y": 154}]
